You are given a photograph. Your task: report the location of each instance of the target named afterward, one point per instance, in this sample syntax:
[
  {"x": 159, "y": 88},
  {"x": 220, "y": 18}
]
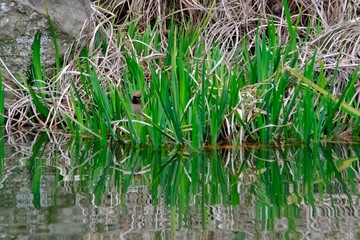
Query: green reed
[
  {"x": 192, "y": 95},
  {"x": 272, "y": 112},
  {"x": 37, "y": 71},
  {"x": 94, "y": 117},
  {"x": 36, "y": 83}
]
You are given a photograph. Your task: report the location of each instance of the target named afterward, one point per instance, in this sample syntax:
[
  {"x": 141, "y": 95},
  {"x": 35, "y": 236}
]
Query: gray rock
[{"x": 21, "y": 19}]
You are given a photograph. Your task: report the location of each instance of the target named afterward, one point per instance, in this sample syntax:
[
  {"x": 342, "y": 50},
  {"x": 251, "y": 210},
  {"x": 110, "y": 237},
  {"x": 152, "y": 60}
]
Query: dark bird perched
[{"x": 136, "y": 103}]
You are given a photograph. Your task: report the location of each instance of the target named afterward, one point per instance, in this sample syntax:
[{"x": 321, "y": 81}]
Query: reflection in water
[{"x": 79, "y": 188}]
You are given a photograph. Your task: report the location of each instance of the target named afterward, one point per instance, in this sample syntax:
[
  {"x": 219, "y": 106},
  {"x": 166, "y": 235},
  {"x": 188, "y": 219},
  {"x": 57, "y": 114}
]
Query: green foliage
[{"x": 194, "y": 96}]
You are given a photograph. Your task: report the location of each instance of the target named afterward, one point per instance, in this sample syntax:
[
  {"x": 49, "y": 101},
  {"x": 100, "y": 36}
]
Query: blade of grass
[
  {"x": 288, "y": 18},
  {"x": 36, "y": 62},
  {"x": 329, "y": 123},
  {"x": 205, "y": 22},
  {"x": 38, "y": 101},
  {"x": 344, "y": 106},
  {"x": 169, "y": 113}
]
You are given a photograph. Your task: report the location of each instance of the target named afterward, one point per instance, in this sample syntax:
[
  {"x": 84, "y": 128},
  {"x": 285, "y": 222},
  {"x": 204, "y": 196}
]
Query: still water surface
[{"x": 54, "y": 187}]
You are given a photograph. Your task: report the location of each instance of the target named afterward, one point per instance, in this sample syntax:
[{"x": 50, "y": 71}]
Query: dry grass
[{"x": 230, "y": 21}]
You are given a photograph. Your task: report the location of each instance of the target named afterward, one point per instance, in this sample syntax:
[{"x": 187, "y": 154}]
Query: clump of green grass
[{"x": 193, "y": 94}]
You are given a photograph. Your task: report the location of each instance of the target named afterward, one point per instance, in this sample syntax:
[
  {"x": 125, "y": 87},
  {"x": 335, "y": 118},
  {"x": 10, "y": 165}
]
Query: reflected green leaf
[{"x": 267, "y": 184}]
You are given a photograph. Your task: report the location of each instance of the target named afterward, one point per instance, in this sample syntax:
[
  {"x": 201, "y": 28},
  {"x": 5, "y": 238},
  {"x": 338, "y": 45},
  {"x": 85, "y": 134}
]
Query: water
[{"x": 53, "y": 187}]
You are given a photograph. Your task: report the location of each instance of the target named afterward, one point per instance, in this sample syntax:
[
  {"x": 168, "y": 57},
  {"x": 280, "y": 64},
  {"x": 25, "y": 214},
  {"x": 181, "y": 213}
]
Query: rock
[{"x": 21, "y": 19}]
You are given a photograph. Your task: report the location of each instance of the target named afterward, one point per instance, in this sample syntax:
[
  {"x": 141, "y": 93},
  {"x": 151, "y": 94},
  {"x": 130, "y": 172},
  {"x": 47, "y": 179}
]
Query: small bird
[{"x": 136, "y": 103}]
